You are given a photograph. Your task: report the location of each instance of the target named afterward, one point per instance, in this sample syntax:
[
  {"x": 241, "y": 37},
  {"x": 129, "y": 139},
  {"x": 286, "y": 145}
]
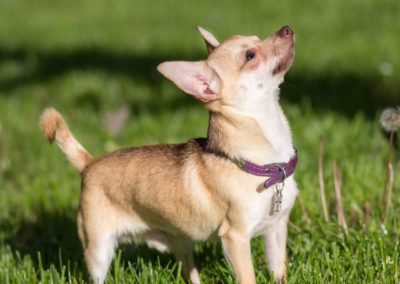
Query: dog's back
[{"x": 162, "y": 184}]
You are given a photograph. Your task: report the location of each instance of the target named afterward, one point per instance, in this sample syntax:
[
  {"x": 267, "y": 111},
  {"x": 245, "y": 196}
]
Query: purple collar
[{"x": 275, "y": 173}]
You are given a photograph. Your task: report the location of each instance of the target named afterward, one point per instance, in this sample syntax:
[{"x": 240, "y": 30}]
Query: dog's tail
[{"x": 55, "y": 128}]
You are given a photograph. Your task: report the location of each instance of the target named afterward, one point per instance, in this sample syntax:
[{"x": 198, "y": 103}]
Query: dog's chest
[{"x": 261, "y": 214}]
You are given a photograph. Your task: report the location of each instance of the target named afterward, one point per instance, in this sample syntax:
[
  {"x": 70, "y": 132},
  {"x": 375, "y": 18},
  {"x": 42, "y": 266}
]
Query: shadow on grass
[
  {"x": 343, "y": 93},
  {"x": 41, "y": 67},
  {"x": 55, "y": 236},
  {"x": 52, "y": 234},
  {"x": 346, "y": 94}
]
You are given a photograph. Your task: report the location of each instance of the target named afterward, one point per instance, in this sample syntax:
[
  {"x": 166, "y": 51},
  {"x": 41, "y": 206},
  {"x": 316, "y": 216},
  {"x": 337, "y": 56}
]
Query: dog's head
[{"x": 241, "y": 71}]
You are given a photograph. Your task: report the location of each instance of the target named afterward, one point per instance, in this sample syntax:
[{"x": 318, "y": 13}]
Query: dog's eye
[{"x": 250, "y": 55}]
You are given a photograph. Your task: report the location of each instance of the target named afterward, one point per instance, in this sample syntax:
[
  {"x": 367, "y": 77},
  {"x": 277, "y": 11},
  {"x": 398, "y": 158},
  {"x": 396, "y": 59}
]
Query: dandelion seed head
[
  {"x": 386, "y": 68},
  {"x": 390, "y": 119}
]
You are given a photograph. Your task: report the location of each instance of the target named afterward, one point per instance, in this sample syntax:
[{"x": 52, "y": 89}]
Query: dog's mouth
[
  {"x": 284, "y": 49},
  {"x": 283, "y": 64}
]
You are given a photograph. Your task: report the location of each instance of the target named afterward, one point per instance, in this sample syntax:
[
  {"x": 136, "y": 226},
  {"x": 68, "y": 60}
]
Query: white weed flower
[
  {"x": 386, "y": 69},
  {"x": 390, "y": 119}
]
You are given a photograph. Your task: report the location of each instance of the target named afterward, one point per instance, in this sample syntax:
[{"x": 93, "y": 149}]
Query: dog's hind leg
[
  {"x": 157, "y": 240},
  {"x": 182, "y": 247},
  {"x": 98, "y": 255},
  {"x": 99, "y": 238},
  {"x": 98, "y": 247}
]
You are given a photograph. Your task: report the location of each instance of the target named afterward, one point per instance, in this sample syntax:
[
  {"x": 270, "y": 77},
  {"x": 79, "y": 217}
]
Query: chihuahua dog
[{"x": 235, "y": 184}]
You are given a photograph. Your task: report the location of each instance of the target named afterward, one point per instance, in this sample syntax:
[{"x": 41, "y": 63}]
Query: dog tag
[{"x": 278, "y": 197}]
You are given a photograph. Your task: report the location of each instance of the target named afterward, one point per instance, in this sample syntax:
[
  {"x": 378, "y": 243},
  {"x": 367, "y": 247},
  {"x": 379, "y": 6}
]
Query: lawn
[{"x": 91, "y": 59}]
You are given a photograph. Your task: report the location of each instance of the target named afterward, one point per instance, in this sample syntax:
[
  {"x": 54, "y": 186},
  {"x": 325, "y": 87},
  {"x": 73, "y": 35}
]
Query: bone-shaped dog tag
[{"x": 278, "y": 197}]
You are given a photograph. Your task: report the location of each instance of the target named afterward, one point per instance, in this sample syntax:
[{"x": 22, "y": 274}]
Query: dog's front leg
[
  {"x": 237, "y": 249},
  {"x": 275, "y": 247}
]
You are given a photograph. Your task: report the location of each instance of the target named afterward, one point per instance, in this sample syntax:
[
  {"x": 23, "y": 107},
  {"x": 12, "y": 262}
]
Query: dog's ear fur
[
  {"x": 210, "y": 40},
  {"x": 194, "y": 78}
]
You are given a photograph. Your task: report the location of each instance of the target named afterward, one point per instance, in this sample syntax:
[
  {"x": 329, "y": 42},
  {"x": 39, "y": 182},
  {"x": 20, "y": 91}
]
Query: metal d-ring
[{"x": 284, "y": 174}]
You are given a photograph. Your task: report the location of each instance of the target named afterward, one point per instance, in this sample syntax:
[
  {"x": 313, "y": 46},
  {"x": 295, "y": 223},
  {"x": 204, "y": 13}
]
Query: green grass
[{"x": 87, "y": 58}]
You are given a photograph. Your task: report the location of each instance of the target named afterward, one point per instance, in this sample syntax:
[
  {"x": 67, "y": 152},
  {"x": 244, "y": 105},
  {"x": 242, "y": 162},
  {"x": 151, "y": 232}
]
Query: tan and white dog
[{"x": 173, "y": 194}]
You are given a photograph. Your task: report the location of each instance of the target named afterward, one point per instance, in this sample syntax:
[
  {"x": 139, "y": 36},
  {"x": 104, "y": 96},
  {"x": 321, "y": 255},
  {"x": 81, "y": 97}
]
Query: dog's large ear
[
  {"x": 194, "y": 78},
  {"x": 210, "y": 40}
]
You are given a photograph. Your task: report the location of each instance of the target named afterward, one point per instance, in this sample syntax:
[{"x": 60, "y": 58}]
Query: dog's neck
[{"x": 259, "y": 133}]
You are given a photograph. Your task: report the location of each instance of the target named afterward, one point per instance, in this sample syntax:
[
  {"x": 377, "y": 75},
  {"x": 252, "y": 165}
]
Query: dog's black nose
[{"x": 285, "y": 31}]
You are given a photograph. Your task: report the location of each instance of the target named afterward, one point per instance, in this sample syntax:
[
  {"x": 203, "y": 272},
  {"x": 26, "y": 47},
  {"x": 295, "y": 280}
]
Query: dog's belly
[
  {"x": 195, "y": 226},
  {"x": 182, "y": 211}
]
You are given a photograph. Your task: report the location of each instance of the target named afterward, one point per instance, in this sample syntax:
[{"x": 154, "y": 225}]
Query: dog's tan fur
[
  {"x": 55, "y": 128},
  {"x": 171, "y": 194}
]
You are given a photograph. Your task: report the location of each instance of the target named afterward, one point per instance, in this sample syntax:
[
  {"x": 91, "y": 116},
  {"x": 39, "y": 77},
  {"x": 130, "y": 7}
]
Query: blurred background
[{"x": 95, "y": 61}]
